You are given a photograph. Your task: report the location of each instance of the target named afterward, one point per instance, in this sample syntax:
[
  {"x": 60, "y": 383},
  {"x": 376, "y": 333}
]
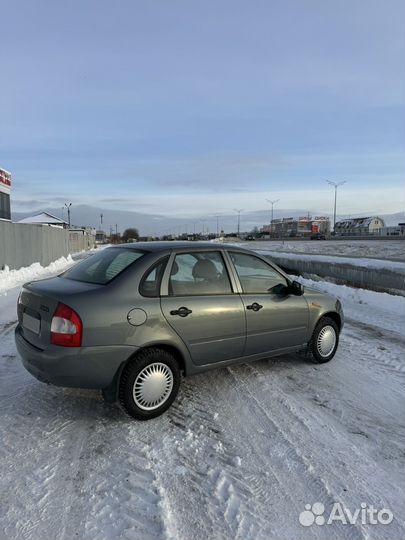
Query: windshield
[{"x": 103, "y": 267}]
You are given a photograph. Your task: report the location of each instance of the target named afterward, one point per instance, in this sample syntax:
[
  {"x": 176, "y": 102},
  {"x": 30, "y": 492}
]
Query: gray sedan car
[{"x": 132, "y": 318}]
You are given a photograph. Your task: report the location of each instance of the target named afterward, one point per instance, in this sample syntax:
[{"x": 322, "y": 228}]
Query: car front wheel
[
  {"x": 149, "y": 384},
  {"x": 324, "y": 341}
]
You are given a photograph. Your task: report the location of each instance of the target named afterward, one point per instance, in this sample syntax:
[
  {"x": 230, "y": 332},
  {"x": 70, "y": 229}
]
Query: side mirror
[
  {"x": 296, "y": 288},
  {"x": 280, "y": 290}
]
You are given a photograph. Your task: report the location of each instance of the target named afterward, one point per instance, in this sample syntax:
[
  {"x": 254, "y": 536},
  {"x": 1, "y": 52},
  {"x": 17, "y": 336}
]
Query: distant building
[
  {"x": 359, "y": 226},
  {"x": 81, "y": 239},
  {"x": 302, "y": 227},
  {"x": 101, "y": 237},
  {"x": 395, "y": 230},
  {"x": 5, "y": 187},
  {"x": 44, "y": 218}
]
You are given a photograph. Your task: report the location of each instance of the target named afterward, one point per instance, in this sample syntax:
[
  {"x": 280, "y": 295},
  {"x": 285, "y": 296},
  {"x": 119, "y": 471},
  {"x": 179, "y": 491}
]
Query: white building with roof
[
  {"x": 359, "y": 226},
  {"x": 44, "y": 218}
]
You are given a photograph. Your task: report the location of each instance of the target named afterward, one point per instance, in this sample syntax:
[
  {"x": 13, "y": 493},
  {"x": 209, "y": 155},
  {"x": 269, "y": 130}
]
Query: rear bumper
[{"x": 83, "y": 367}]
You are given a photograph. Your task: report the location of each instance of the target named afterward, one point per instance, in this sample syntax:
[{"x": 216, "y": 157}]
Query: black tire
[
  {"x": 130, "y": 374},
  {"x": 314, "y": 347}
]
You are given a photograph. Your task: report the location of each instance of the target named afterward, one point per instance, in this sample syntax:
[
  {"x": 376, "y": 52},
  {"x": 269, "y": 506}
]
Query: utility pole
[
  {"x": 272, "y": 212},
  {"x": 238, "y": 212},
  {"x": 68, "y": 211},
  {"x": 335, "y": 185}
]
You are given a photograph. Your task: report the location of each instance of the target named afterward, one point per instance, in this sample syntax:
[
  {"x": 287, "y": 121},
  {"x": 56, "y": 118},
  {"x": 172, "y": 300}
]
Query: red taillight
[{"x": 66, "y": 327}]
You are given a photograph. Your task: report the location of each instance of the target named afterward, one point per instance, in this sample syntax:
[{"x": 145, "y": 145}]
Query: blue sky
[{"x": 188, "y": 108}]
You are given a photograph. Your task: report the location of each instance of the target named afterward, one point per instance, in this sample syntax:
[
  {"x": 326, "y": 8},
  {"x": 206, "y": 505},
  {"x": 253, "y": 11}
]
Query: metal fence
[
  {"x": 22, "y": 244},
  {"x": 381, "y": 280}
]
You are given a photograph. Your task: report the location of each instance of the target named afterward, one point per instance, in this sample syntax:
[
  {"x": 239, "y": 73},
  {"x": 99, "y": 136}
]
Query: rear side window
[
  {"x": 199, "y": 273},
  {"x": 150, "y": 283},
  {"x": 103, "y": 267}
]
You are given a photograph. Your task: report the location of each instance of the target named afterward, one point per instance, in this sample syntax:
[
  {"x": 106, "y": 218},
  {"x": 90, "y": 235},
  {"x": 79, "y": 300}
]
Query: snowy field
[
  {"x": 393, "y": 250},
  {"x": 239, "y": 454}
]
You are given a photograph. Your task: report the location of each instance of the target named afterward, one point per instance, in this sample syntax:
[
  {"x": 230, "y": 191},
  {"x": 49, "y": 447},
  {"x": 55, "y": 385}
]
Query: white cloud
[{"x": 351, "y": 200}]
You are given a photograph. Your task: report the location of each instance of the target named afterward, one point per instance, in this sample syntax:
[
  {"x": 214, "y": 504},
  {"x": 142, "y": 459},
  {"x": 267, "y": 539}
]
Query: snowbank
[
  {"x": 13, "y": 278},
  {"x": 378, "y": 300},
  {"x": 375, "y": 264},
  {"x": 374, "y": 249},
  {"x": 382, "y": 310}
]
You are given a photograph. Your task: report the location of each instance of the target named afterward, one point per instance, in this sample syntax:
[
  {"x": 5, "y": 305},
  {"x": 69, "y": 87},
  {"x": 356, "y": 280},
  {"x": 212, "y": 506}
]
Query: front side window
[
  {"x": 104, "y": 266},
  {"x": 255, "y": 275},
  {"x": 199, "y": 273}
]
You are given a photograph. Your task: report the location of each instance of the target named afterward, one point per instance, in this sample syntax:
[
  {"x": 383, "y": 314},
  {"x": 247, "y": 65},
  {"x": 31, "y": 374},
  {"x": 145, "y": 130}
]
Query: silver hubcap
[
  {"x": 326, "y": 340},
  {"x": 153, "y": 386}
]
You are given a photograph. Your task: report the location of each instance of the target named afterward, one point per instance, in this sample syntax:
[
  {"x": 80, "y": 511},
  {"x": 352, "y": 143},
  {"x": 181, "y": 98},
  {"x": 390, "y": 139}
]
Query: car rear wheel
[
  {"x": 324, "y": 341},
  {"x": 149, "y": 384}
]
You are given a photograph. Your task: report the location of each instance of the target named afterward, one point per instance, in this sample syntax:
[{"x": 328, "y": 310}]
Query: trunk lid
[{"x": 38, "y": 302}]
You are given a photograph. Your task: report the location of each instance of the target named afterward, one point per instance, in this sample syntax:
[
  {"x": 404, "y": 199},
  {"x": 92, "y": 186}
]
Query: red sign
[{"x": 5, "y": 180}]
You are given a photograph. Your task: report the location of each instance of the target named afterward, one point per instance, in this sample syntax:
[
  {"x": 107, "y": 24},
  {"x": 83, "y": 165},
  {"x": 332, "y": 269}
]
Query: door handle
[
  {"x": 254, "y": 307},
  {"x": 181, "y": 312}
]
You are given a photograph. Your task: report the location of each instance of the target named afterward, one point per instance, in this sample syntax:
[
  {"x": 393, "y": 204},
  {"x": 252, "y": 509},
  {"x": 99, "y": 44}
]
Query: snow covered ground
[
  {"x": 239, "y": 454},
  {"x": 393, "y": 250}
]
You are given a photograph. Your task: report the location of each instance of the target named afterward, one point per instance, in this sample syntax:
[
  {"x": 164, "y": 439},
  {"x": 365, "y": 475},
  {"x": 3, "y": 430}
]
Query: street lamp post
[
  {"x": 238, "y": 212},
  {"x": 335, "y": 185},
  {"x": 272, "y": 212},
  {"x": 68, "y": 211},
  {"x": 217, "y": 216},
  {"x": 203, "y": 220}
]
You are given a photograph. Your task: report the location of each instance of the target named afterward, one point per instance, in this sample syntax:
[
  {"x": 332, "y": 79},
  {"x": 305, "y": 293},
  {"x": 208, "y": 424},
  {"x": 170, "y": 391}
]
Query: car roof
[{"x": 171, "y": 245}]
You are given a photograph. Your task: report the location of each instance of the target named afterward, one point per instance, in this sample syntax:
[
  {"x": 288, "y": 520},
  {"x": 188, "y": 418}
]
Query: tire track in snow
[
  {"x": 39, "y": 428},
  {"x": 351, "y": 462},
  {"x": 201, "y": 471},
  {"x": 380, "y": 345},
  {"x": 33, "y": 449},
  {"x": 282, "y": 460},
  {"x": 73, "y": 478},
  {"x": 124, "y": 501},
  {"x": 7, "y": 328}
]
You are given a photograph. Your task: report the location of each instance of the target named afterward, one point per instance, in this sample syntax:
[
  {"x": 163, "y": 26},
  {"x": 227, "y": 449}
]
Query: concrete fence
[
  {"x": 390, "y": 280},
  {"x": 22, "y": 244}
]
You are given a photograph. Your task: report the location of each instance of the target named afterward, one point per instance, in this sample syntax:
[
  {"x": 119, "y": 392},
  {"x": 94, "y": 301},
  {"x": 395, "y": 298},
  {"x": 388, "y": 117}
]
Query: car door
[
  {"x": 201, "y": 305},
  {"x": 274, "y": 321}
]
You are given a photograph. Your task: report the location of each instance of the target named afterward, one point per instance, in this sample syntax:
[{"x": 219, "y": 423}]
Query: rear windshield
[{"x": 102, "y": 267}]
